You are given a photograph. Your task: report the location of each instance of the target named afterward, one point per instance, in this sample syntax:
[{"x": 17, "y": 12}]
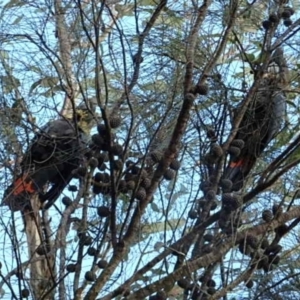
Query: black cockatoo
[
  {"x": 55, "y": 152},
  {"x": 262, "y": 120}
]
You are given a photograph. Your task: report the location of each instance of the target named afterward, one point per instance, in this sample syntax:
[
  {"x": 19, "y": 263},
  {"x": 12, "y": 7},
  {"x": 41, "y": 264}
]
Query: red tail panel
[
  {"x": 23, "y": 184},
  {"x": 235, "y": 164}
]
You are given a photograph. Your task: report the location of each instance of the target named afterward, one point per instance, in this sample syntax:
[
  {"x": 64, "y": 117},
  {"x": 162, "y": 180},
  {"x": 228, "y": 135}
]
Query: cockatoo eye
[{"x": 78, "y": 117}]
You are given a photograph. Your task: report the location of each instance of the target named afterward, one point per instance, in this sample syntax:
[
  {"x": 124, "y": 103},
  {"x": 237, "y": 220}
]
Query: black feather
[{"x": 55, "y": 152}]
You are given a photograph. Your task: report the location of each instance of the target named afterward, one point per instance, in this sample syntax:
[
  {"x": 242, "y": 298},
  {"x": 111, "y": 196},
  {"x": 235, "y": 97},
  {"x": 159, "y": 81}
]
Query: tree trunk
[{"x": 42, "y": 276}]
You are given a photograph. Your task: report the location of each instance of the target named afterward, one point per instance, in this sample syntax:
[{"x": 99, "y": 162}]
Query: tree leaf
[{"x": 154, "y": 207}]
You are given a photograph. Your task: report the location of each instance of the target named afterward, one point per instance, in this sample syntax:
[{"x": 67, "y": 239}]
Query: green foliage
[{"x": 46, "y": 82}]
